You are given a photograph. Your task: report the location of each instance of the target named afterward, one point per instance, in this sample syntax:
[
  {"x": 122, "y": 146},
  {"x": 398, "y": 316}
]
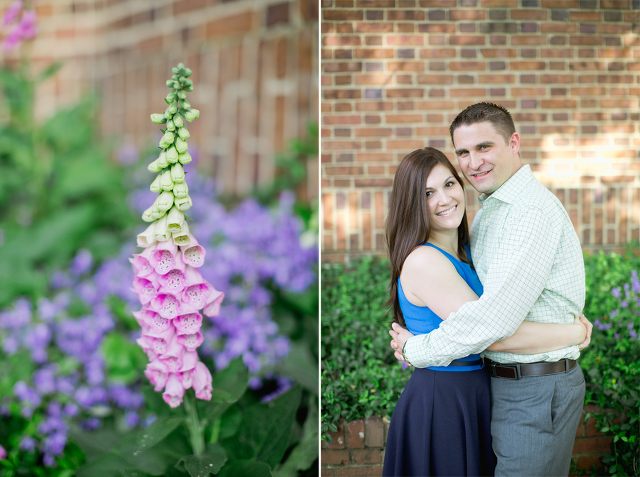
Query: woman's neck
[{"x": 446, "y": 240}]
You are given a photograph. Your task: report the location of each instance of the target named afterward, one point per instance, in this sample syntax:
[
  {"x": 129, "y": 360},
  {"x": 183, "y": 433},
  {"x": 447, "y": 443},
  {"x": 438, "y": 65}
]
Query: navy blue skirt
[{"x": 441, "y": 426}]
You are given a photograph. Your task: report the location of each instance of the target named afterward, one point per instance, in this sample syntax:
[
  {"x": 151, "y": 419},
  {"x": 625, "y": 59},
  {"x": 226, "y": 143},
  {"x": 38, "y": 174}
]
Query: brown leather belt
[{"x": 522, "y": 370}]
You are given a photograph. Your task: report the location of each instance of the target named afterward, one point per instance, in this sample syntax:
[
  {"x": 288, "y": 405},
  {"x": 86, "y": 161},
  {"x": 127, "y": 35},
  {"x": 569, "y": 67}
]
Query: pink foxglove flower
[
  {"x": 24, "y": 29},
  {"x": 170, "y": 288},
  {"x": 202, "y": 382}
]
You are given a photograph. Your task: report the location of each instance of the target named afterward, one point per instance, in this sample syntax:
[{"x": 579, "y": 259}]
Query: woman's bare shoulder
[{"x": 425, "y": 261}]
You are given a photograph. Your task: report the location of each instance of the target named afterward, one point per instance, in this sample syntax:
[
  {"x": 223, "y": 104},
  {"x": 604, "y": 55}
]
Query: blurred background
[
  {"x": 79, "y": 80},
  {"x": 394, "y": 75}
]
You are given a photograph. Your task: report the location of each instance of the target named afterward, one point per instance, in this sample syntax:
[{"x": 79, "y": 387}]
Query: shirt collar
[{"x": 510, "y": 190}]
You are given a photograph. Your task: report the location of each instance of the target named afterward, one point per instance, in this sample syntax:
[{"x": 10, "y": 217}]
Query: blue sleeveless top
[{"x": 421, "y": 320}]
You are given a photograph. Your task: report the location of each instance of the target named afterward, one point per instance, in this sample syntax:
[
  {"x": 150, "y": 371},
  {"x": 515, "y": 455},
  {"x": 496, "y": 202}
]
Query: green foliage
[
  {"x": 611, "y": 365},
  {"x": 58, "y": 190},
  {"x": 360, "y": 376}
]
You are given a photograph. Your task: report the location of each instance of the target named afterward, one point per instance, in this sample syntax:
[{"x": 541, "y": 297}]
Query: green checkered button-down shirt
[{"x": 529, "y": 260}]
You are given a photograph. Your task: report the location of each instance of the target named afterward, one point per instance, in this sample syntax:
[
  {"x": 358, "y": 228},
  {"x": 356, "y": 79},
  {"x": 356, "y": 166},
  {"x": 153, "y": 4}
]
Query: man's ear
[{"x": 514, "y": 143}]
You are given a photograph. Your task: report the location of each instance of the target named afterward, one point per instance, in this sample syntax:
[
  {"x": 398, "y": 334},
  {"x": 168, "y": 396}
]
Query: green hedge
[{"x": 360, "y": 376}]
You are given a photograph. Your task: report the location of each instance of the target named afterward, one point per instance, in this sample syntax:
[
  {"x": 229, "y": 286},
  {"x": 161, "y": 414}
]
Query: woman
[{"x": 441, "y": 424}]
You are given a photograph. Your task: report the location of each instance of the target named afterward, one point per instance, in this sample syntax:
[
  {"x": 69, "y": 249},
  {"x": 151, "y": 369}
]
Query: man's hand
[
  {"x": 589, "y": 327},
  {"x": 399, "y": 335}
]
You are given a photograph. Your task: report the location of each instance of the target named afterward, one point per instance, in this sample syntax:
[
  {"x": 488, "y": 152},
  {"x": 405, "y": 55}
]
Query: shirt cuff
[{"x": 416, "y": 351}]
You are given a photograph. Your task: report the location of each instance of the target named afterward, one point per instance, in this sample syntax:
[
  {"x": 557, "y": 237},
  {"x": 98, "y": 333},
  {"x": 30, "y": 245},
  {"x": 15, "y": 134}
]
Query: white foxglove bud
[
  {"x": 183, "y": 237},
  {"x": 162, "y": 160},
  {"x": 147, "y": 215},
  {"x": 167, "y": 140},
  {"x": 177, "y": 121},
  {"x": 155, "y": 185},
  {"x": 172, "y": 155},
  {"x": 183, "y": 203},
  {"x": 170, "y": 125},
  {"x": 180, "y": 190},
  {"x": 183, "y": 133},
  {"x": 147, "y": 237},
  {"x": 184, "y": 158},
  {"x": 161, "y": 233},
  {"x": 181, "y": 145},
  {"x": 191, "y": 115},
  {"x": 175, "y": 220},
  {"x": 177, "y": 173},
  {"x": 158, "y": 118},
  {"x": 165, "y": 180},
  {"x": 153, "y": 167}
]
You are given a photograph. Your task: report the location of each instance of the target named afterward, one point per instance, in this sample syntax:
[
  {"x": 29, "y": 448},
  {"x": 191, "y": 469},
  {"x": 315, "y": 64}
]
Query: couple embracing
[{"x": 512, "y": 288}]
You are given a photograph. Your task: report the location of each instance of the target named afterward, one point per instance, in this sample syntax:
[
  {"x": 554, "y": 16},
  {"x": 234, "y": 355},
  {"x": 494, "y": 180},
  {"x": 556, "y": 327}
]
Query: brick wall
[
  {"x": 358, "y": 447},
  {"x": 396, "y": 72},
  {"x": 255, "y": 69}
]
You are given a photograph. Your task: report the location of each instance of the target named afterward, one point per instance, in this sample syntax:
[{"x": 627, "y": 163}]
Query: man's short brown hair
[{"x": 481, "y": 112}]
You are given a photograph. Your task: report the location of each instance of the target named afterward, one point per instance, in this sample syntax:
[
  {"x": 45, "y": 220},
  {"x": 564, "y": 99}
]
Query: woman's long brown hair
[{"x": 408, "y": 221}]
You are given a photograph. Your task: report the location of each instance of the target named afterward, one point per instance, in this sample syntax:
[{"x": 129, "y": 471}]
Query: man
[{"x": 529, "y": 261}]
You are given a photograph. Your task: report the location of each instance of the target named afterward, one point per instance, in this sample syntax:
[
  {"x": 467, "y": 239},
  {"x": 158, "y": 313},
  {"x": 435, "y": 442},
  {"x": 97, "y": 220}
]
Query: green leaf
[
  {"x": 125, "y": 360},
  {"x": 145, "y": 439},
  {"x": 301, "y": 366},
  {"x": 203, "y": 465},
  {"x": 306, "y": 452},
  {"x": 266, "y": 428},
  {"x": 49, "y": 71},
  {"x": 228, "y": 386},
  {"x": 245, "y": 468}
]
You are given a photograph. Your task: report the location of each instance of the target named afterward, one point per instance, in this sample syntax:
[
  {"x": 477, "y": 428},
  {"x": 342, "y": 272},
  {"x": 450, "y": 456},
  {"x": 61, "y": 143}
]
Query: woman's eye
[
  {"x": 429, "y": 194},
  {"x": 449, "y": 184}
]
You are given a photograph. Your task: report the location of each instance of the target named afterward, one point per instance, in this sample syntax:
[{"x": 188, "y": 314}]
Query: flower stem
[{"x": 196, "y": 430}]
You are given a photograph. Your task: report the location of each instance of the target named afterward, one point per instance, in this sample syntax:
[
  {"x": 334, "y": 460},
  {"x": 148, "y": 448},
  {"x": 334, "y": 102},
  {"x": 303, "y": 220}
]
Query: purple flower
[
  {"x": 26, "y": 394},
  {"x": 131, "y": 419},
  {"x": 3, "y": 453},
  {"x": 37, "y": 339},
  {"x": 28, "y": 444},
  {"x": 45, "y": 381},
  {"x": 91, "y": 424},
  {"x": 81, "y": 263},
  {"x": 616, "y": 335},
  {"x": 18, "y": 317},
  {"x": 615, "y": 292},
  {"x": 70, "y": 409},
  {"x": 633, "y": 333},
  {"x": 630, "y": 326},
  {"x": 613, "y": 314}
]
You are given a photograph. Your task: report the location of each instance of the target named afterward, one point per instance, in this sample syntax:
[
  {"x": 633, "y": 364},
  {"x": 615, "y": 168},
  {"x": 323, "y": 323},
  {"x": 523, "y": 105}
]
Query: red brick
[
  {"x": 342, "y": 15},
  {"x": 370, "y": 183},
  {"x": 367, "y": 456},
  {"x": 376, "y": 3},
  {"x": 586, "y": 462},
  {"x": 372, "y": 157},
  {"x": 467, "y": 40},
  {"x": 334, "y": 457},
  {"x": 405, "y": 66},
  {"x": 375, "y": 27},
  {"x": 403, "y": 118},
  {"x": 467, "y": 66},
  {"x": 592, "y": 444},
  {"x": 373, "y": 132},
  {"x": 529, "y": 14},
  {"x": 585, "y": 16},
  {"x": 374, "y": 427},
  {"x": 404, "y": 93},
  {"x": 457, "y": 15},
  {"x": 231, "y": 25},
  {"x": 526, "y": 65},
  {"x": 374, "y": 53},
  {"x": 496, "y": 79},
  {"x": 368, "y": 471},
  {"x": 616, "y": 4}
]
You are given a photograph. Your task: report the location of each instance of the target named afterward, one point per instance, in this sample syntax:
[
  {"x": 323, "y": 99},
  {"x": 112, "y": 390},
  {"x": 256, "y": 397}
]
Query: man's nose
[{"x": 475, "y": 161}]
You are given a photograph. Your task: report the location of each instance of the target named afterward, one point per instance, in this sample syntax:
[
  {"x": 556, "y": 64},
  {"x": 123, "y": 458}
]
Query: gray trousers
[{"x": 534, "y": 422}]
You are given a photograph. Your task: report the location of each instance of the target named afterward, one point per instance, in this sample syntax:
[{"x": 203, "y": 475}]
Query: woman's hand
[
  {"x": 582, "y": 321},
  {"x": 399, "y": 335}
]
